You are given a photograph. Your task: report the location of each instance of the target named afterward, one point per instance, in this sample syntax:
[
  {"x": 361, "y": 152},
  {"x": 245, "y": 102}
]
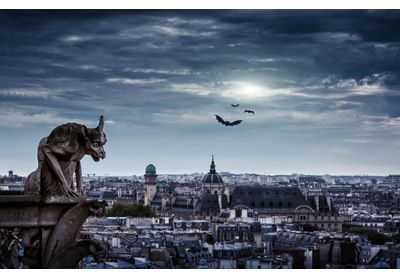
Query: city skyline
[
  {"x": 221, "y": 172},
  {"x": 323, "y": 85}
]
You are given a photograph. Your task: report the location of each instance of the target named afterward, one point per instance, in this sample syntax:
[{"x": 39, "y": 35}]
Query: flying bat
[
  {"x": 235, "y": 106},
  {"x": 249, "y": 111},
  {"x": 227, "y": 123}
]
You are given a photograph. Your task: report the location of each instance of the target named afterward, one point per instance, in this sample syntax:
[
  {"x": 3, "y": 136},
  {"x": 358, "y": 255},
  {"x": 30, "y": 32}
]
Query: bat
[
  {"x": 248, "y": 111},
  {"x": 227, "y": 123},
  {"x": 235, "y": 106}
]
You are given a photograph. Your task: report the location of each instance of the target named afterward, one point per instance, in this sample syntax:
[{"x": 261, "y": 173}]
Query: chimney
[
  {"x": 316, "y": 200},
  {"x": 329, "y": 202},
  {"x": 116, "y": 242},
  {"x": 163, "y": 202},
  {"x": 227, "y": 193}
]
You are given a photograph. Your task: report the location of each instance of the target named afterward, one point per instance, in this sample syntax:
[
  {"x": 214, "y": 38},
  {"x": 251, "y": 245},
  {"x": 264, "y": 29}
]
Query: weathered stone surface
[
  {"x": 45, "y": 232},
  {"x": 59, "y": 172},
  {"x": 40, "y": 229}
]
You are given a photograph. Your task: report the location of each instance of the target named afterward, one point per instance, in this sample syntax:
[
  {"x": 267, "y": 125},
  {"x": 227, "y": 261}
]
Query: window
[{"x": 238, "y": 213}]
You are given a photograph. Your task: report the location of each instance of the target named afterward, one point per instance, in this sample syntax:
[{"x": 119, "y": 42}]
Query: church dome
[
  {"x": 212, "y": 177},
  {"x": 151, "y": 169}
]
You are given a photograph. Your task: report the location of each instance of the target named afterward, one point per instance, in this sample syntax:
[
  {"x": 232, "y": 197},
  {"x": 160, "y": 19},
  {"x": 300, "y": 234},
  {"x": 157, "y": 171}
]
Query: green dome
[{"x": 150, "y": 169}]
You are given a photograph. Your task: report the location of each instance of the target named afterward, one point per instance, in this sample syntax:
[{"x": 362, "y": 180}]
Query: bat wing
[
  {"x": 220, "y": 120},
  {"x": 236, "y": 122},
  {"x": 249, "y": 111}
]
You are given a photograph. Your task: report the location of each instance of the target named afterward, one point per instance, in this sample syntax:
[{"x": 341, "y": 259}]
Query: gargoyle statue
[{"x": 59, "y": 157}]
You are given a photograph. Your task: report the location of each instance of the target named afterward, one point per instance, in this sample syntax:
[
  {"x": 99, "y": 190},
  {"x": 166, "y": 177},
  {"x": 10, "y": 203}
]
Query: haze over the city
[{"x": 324, "y": 86}]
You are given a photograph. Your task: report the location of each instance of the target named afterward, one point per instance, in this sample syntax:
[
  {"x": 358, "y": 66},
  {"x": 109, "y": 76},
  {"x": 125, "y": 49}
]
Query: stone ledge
[{"x": 22, "y": 211}]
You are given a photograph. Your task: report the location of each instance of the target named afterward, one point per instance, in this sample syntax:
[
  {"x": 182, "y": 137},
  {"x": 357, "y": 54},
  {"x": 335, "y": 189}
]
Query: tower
[
  {"x": 212, "y": 183},
  {"x": 150, "y": 177}
]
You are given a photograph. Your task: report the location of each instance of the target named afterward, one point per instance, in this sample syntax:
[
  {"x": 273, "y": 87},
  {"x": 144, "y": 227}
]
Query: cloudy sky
[{"x": 324, "y": 85}]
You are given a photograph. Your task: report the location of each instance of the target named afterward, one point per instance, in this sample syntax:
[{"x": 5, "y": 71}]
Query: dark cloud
[{"x": 324, "y": 78}]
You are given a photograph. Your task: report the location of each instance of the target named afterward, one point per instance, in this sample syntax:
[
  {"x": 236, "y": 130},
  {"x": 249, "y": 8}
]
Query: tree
[
  {"x": 377, "y": 238},
  {"x": 129, "y": 210},
  {"x": 374, "y": 237},
  {"x": 310, "y": 228},
  {"x": 396, "y": 238}
]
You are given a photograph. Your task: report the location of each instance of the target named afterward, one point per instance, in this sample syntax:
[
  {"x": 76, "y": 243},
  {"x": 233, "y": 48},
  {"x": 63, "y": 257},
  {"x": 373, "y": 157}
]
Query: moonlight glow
[{"x": 246, "y": 91}]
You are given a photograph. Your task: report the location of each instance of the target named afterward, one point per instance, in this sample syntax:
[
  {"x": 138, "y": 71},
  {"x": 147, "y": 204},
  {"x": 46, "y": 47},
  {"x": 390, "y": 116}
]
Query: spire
[{"x": 212, "y": 167}]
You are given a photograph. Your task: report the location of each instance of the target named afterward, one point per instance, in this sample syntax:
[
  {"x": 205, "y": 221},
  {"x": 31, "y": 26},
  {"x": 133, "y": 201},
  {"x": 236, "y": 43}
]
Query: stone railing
[{"x": 35, "y": 233}]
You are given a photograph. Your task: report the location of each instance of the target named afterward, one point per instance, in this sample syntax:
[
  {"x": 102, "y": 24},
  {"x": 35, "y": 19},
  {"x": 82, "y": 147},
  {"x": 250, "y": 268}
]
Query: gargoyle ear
[
  {"x": 85, "y": 134},
  {"x": 101, "y": 124}
]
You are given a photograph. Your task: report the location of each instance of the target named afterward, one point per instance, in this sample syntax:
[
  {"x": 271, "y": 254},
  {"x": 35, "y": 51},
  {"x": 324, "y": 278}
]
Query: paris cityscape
[
  {"x": 199, "y": 139},
  {"x": 226, "y": 220}
]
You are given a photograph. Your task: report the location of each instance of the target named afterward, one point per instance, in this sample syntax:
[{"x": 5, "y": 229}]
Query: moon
[{"x": 242, "y": 90}]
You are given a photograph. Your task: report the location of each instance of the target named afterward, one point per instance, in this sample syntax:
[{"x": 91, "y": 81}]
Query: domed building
[
  {"x": 150, "y": 183},
  {"x": 150, "y": 169},
  {"x": 215, "y": 194},
  {"x": 150, "y": 174},
  {"x": 212, "y": 183}
]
